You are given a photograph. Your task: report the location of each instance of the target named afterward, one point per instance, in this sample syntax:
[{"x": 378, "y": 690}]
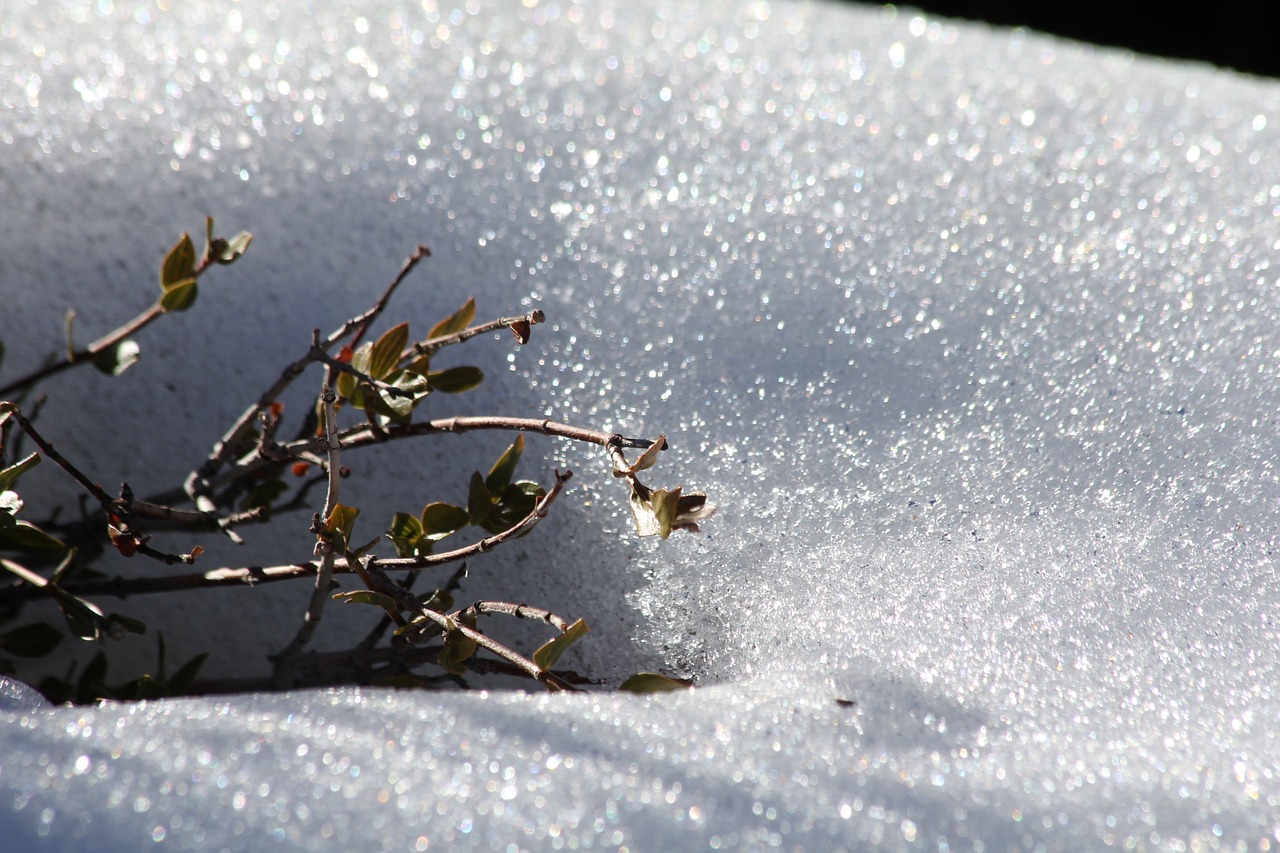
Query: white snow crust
[{"x": 971, "y": 333}]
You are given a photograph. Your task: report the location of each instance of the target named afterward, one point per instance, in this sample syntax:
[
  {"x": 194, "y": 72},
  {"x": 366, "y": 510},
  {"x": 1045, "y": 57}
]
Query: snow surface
[{"x": 972, "y": 334}]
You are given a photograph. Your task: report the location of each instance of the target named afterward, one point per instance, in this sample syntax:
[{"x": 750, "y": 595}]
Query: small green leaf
[
  {"x": 515, "y": 504},
  {"x": 180, "y": 296},
  {"x": 347, "y": 387},
  {"x": 117, "y": 359},
  {"x": 456, "y": 322},
  {"x": 385, "y": 354},
  {"x": 363, "y": 357},
  {"x": 31, "y": 641},
  {"x": 179, "y": 264},
  {"x": 368, "y": 596},
  {"x": 339, "y": 524},
  {"x": 232, "y": 249},
  {"x": 502, "y": 471},
  {"x": 186, "y": 674},
  {"x": 440, "y": 601},
  {"x": 651, "y": 682},
  {"x": 25, "y": 536},
  {"x": 404, "y": 533},
  {"x": 420, "y": 365},
  {"x": 458, "y": 647},
  {"x": 479, "y": 500},
  {"x": 365, "y": 548},
  {"x": 10, "y": 475},
  {"x": 551, "y": 651},
  {"x": 455, "y": 380},
  {"x": 441, "y": 519}
]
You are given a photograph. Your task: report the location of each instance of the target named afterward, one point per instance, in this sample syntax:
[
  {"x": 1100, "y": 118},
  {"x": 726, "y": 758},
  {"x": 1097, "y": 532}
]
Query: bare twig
[
  {"x": 360, "y": 436},
  {"x": 86, "y": 354},
  {"x": 548, "y": 679},
  {"x": 104, "y": 500},
  {"x": 197, "y": 485},
  {"x": 520, "y": 611},
  {"x": 287, "y": 662},
  {"x": 431, "y": 345},
  {"x": 254, "y": 575}
]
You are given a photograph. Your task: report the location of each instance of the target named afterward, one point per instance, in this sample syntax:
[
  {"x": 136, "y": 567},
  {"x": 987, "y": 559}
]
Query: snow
[{"x": 971, "y": 333}]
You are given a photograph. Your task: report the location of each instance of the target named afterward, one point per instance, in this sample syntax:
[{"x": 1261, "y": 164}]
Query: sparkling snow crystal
[{"x": 972, "y": 334}]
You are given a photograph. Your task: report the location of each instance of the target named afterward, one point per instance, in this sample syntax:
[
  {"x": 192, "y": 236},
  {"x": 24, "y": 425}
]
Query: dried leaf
[
  {"x": 232, "y": 249},
  {"x": 368, "y": 596}
]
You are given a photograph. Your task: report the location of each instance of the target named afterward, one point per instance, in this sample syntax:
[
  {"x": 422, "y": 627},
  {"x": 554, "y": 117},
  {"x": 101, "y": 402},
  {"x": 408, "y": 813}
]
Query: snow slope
[{"x": 971, "y": 333}]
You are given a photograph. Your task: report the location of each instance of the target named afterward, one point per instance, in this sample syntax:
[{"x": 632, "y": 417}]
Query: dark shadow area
[{"x": 1231, "y": 35}]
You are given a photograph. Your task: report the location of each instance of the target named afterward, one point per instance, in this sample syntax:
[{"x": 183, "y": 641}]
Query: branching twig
[
  {"x": 102, "y": 344},
  {"x": 549, "y": 679},
  {"x": 287, "y": 662},
  {"x": 197, "y": 485},
  {"x": 360, "y": 436},
  {"x": 254, "y": 575},
  {"x": 104, "y": 500}
]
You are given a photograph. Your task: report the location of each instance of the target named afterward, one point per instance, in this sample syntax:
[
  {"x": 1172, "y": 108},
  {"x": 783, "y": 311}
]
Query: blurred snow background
[{"x": 972, "y": 334}]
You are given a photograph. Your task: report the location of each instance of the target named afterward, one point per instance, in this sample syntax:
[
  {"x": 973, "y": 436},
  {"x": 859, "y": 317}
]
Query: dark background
[{"x": 1231, "y": 33}]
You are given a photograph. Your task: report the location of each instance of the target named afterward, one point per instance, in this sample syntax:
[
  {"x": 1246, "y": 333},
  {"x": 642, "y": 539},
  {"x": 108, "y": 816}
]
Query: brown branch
[
  {"x": 548, "y": 679},
  {"x": 198, "y": 485},
  {"x": 361, "y": 436},
  {"x": 254, "y": 575},
  {"x": 286, "y": 664},
  {"x": 111, "y": 339},
  {"x": 95, "y": 490},
  {"x": 520, "y": 611},
  {"x": 431, "y": 345}
]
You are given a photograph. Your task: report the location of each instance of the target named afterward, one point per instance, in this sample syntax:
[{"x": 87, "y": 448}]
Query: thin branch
[
  {"x": 361, "y": 436},
  {"x": 287, "y": 662},
  {"x": 431, "y": 345},
  {"x": 520, "y": 611},
  {"x": 549, "y": 679},
  {"x": 105, "y": 500},
  {"x": 85, "y": 354},
  {"x": 197, "y": 485},
  {"x": 360, "y": 324},
  {"x": 254, "y": 575}
]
